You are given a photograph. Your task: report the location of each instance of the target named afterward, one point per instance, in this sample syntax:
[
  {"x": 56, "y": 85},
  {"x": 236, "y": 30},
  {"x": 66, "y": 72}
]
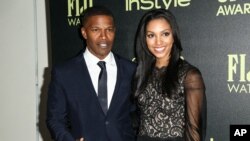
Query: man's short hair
[{"x": 94, "y": 11}]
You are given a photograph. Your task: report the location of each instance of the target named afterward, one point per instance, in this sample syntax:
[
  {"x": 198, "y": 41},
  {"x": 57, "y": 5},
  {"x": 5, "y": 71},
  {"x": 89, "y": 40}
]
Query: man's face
[{"x": 99, "y": 32}]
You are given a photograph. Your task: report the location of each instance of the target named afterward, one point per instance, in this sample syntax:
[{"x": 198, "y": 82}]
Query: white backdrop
[{"x": 23, "y": 58}]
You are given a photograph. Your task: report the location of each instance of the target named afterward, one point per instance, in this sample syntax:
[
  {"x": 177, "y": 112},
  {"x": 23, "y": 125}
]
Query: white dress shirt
[{"x": 94, "y": 71}]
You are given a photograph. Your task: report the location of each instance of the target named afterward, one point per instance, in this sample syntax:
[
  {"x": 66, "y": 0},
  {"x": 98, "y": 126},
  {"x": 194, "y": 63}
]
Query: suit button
[{"x": 106, "y": 122}]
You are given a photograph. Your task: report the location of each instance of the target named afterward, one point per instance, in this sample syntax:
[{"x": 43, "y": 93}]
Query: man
[{"x": 77, "y": 107}]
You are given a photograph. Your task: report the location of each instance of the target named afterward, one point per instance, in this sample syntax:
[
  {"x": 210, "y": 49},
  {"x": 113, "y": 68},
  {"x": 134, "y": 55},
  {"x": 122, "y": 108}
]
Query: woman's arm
[{"x": 194, "y": 89}]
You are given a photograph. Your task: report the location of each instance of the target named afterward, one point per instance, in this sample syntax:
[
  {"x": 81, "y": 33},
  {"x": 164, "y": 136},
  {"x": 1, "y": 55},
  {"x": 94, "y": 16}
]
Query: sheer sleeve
[{"x": 194, "y": 89}]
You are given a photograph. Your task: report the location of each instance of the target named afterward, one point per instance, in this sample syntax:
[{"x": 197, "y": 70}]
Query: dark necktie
[{"x": 102, "y": 86}]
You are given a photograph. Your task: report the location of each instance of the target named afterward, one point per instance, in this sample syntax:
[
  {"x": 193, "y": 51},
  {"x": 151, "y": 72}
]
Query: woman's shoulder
[
  {"x": 188, "y": 70},
  {"x": 184, "y": 65},
  {"x": 191, "y": 76}
]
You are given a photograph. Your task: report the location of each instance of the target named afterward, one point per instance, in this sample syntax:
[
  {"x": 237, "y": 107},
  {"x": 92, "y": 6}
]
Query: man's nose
[{"x": 103, "y": 34}]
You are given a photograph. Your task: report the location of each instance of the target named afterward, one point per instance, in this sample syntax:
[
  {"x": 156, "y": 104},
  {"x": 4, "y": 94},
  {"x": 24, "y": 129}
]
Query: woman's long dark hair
[{"x": 146, "y": 60}]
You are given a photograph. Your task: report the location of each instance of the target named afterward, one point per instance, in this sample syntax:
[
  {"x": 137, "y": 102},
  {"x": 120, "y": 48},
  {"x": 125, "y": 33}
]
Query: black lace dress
[{"x": 179, "y": 118}]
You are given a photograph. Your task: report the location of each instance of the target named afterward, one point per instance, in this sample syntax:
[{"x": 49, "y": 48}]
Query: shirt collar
[{"x": 93, "y": 60}]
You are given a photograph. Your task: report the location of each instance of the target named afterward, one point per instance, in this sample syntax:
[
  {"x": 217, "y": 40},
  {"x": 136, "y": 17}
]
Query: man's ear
[{"x": 83, "y": 32}]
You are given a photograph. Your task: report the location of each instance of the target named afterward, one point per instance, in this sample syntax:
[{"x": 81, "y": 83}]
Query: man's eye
[
  {"x": 94, "y": 29},
  {"x": 110, "y": 30}
]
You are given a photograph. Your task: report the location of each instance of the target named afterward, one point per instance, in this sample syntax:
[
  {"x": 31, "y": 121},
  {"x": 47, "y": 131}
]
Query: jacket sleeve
[{"x": 57, "y": 112}]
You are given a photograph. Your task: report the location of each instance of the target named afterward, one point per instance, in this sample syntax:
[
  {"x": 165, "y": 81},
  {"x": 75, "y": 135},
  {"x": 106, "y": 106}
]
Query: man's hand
[{"x": 81, "y": 139}]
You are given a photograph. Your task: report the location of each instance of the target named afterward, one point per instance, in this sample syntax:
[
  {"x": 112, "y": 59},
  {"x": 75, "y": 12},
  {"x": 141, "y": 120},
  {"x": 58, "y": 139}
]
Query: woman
[{"x": 169, "y": 92}]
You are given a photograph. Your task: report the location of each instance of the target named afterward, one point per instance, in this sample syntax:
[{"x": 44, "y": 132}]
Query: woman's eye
[
  {"x": 166, "y": 33},
  {"x": 150, "y": 35}
]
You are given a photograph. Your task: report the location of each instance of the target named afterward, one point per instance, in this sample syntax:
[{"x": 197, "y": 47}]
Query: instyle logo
[
  {"x": 233, "y": 7},
  {"x": 75, "y": 8},
  {"x": 155, "y": 4},
  {"x": 238, "y": 78}
]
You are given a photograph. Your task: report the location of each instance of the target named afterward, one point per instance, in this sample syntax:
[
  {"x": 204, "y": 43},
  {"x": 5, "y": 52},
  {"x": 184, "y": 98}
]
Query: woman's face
[{"x": 159, "y": 39}]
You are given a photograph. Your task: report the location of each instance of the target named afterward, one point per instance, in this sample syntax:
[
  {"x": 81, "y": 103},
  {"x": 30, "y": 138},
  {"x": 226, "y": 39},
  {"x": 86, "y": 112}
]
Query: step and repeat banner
[{"x": 215, "y": 35}]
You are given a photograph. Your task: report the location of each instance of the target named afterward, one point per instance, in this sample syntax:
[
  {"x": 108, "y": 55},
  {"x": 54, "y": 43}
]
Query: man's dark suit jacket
[{"x": 73, "y": 109}]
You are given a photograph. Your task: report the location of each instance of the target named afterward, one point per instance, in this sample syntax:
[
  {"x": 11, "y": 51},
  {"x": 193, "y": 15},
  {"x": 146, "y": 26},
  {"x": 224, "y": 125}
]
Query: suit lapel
[
  {"x": 84, "y": 73},
  {"x": 84, "y": 78}
]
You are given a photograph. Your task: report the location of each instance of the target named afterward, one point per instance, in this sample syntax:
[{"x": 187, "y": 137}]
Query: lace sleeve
[{"x": 195, "y": 106}]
